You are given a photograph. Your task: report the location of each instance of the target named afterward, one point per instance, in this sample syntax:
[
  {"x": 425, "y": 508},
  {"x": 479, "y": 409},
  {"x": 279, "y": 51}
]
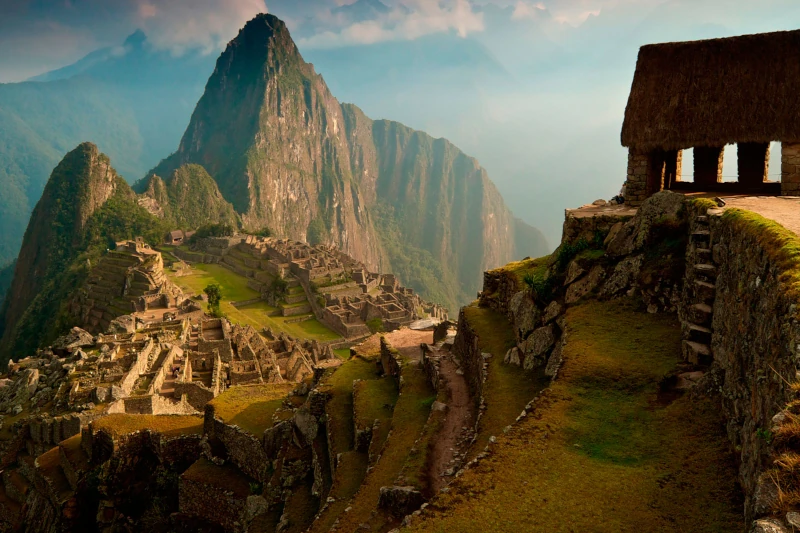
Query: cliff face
[
  {"x": 188, "y": 199},
  {"x": 270, "y": 133},
  {"x": 288, "y": 156},
  {"x": 81, "y": 183}
]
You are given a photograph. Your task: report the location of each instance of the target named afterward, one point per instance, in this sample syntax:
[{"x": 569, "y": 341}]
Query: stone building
[{"x": 708, "y": 94}]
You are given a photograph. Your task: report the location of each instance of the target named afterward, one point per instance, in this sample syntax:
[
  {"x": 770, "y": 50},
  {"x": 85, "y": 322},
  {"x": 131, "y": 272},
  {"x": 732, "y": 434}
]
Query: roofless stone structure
[{"x": 705, "y": 95}]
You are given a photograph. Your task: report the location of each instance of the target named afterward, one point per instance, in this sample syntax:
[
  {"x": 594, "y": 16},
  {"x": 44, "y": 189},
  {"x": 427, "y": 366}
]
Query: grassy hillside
[{"x": 603, "y": 451}]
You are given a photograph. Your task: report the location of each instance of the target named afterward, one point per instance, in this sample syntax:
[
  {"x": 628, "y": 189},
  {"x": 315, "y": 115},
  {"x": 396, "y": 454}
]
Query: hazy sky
[{"x": 40, "y": 35}]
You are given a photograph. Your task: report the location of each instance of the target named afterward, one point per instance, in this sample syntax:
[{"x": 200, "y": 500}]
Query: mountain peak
[{"x": 135, "y": 39}]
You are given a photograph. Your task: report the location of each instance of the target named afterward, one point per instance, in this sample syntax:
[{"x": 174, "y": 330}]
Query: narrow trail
[{"x": 448, "y": 454}]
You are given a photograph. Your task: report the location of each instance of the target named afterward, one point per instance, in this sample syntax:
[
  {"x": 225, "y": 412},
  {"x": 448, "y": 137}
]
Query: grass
[
  {"x": 251, "y": 407},
  {"x": 374, "y": 400},
  {"x": 415, "y": 469},
  {"x": 227, "y": 477},
  {"x": 172, "y": 425},
  {"x": 258, "y": 315},
  {"x": 519, "y": 269},
  {"x": 601, "y": 453},
  {"x": 342, "y": 353},
  {"x": 352, "y": 465},
  {"x": 781, "y": 245},
  {"x": 508, "y": 388},
  {"x": 408, "y": 421}
]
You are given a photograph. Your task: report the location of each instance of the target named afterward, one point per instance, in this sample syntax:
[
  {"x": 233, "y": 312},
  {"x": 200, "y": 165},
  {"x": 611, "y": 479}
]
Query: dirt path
[
  {"x": 783, "y": 210},
  {"x": 449, "y": 450}
]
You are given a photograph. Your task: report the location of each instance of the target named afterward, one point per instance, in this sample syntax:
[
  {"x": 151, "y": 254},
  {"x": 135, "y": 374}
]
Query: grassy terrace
[
  {"x": 251, "y": 407},
  {"x": 353, "y": 465},
  {"x": 603, "y": 451},
  {"x": 227, "y": 477},
  {"x": 509, "y": 388},
  {"x": 258, "y": 315},
  {"x": 410, "y": 414},
  {"x": 172, "y": 425}
]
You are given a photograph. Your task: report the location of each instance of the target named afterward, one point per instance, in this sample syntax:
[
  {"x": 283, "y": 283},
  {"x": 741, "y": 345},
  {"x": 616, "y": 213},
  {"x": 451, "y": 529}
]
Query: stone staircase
[{"x": 698, "y": 321}]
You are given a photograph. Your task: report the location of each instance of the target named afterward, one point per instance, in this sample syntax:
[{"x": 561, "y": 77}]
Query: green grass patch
[
  {"x": 258, "y": 315},
  {"x": 374, "y": 399},
  {"x": 251, "y": 407},
  {"x": 508, "y": 388},
  {"x": 123, "y": 424},
  {"x": 601, "y": 452},
  {"x": 408, "y": 421},
  {"x": 340, "y": 409},
  {"x": 342, "y": 353}
]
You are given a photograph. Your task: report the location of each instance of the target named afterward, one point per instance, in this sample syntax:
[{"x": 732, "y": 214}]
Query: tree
[{"x": 214, "y": 293}]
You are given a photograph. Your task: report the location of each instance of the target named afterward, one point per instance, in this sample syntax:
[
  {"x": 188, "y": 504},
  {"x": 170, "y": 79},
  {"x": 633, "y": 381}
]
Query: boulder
[
  {"x": 512, "y": 356},
  {"x": 554, "y": 361},
  {"x": 663, "y": 207},
  {"x": 768, "y": 525},
  {"x": 585, "y": 285},
  {"x": 574, "y": 271},
  {"x": 623, "y": 278},
  {"x": 765, "y": 495},
  {"x": 612, "y": 233},
  {"x": 552, "y": 311},
  {"x": 525, "y": 314},
  {"x": 115, "y": 393},
  {"x": 76, "y": 338},
  {"x": 400, "y": 501},
  {"x": 537, "y": 345},
  {"x": 100, "y": 394}
]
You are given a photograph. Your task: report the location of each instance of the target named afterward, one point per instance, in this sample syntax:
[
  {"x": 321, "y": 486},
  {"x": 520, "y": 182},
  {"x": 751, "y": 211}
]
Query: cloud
[
  {"x": 527, "y": 10},
  {"x": 407, "y": 20},
  {"x": 181, "y": 24},
  {"x": 47, "y": 34}
]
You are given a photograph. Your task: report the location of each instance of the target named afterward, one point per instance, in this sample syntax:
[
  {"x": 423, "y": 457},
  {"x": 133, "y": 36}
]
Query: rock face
[
  {"x": 79, "y": 186},
  {"x": 290, "y": 157}
]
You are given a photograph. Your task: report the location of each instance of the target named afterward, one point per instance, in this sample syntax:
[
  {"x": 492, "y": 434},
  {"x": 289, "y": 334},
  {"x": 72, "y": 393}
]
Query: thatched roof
[{"x": 715, "y": 92}]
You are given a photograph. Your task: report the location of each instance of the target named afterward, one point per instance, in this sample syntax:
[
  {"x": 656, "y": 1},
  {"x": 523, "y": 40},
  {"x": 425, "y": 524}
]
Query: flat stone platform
[{"x": 785, "y": 210}]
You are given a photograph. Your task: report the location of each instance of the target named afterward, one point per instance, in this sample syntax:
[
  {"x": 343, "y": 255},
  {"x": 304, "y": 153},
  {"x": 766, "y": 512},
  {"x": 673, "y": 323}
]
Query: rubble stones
[
  {"x": 400, "y": 501},
  {"x": 512, "y": 357}
]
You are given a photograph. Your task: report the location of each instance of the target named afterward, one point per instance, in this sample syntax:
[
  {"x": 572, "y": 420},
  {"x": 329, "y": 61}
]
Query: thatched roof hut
[{"x": 715, "y": 92}]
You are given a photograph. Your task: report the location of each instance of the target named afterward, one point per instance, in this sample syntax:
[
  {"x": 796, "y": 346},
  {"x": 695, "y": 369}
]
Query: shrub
[
  {"x": 213, "y": 230},
  {"x": 567, "y": 252},
  {"x": 214, "y": 293},
  {"x": 539, "y": 285},
  {"x": 375, "y": 325}
]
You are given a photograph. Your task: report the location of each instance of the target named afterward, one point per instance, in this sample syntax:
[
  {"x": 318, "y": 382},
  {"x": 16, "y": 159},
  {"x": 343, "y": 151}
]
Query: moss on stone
[{"x": 123, "y": 424}]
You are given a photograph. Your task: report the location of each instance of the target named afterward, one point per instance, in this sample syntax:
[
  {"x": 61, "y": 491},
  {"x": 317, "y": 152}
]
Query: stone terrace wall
[
  {"x": 755, "y": 343},
  {"x": 466, "y": 348}
]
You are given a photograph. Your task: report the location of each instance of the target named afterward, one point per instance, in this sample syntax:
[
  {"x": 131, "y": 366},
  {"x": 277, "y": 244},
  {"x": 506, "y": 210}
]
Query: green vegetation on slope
[
  {"x": 6, "y": 276},
  {"x": 602, "y": 451},
  {"x": 190, "y": 199},
  {"x": 408, "y": 421},
  {"x": 508, "y": 388},
  {"x": 86, "y": 207}
]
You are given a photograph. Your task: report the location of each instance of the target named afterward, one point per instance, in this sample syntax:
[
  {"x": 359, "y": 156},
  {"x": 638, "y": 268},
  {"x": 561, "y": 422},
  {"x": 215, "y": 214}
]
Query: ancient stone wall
[
  {"x": 790, "y": 169},
  {"x": 390, "y": 360},
  {"x": 466, "y": 348}
]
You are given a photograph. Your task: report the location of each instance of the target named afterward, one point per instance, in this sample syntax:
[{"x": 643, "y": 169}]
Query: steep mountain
[
  {"x": 84, "y": 208},
  {"x": 188, "y": 199},
  {"x": 289, "y": 156},
  {"x": 133, "y": 99}
]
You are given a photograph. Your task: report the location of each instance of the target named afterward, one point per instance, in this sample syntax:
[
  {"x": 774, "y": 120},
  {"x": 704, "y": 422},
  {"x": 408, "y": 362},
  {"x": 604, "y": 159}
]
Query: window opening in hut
[
  {"x": 730, "y": 165},
  {"x": 687, "y": 169},
  {"x": 774, "y": 171}
]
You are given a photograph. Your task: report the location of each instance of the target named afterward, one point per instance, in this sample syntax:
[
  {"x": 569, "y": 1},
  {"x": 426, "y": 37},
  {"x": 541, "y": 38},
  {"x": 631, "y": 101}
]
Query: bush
[
  {"x": 539, "y": 285},
  {"x": 375, "y": 325},
  {"x": 567, "y": 252},
  {"x": 214, "y": 293}
]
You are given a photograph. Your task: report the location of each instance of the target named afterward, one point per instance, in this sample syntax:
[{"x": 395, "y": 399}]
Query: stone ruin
[
  {"x": 129, "y": 279},
  {"x": 340, "y": 291}
]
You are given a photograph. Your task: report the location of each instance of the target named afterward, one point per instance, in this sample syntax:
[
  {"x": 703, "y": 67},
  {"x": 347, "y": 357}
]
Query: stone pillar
[
  {"x": 753, "y": 163},
  {"x": 636, "y": 185},
  {"x": 673, "y": 167},
  {"x": 708, "y": 164},
  {"x": 790, "y": 169}
]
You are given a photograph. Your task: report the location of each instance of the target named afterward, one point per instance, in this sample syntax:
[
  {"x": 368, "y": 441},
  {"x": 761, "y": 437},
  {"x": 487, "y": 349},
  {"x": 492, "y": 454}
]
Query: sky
[
  {"x": 534, "y": 89},
  {"x": 47, "y": 34}
]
